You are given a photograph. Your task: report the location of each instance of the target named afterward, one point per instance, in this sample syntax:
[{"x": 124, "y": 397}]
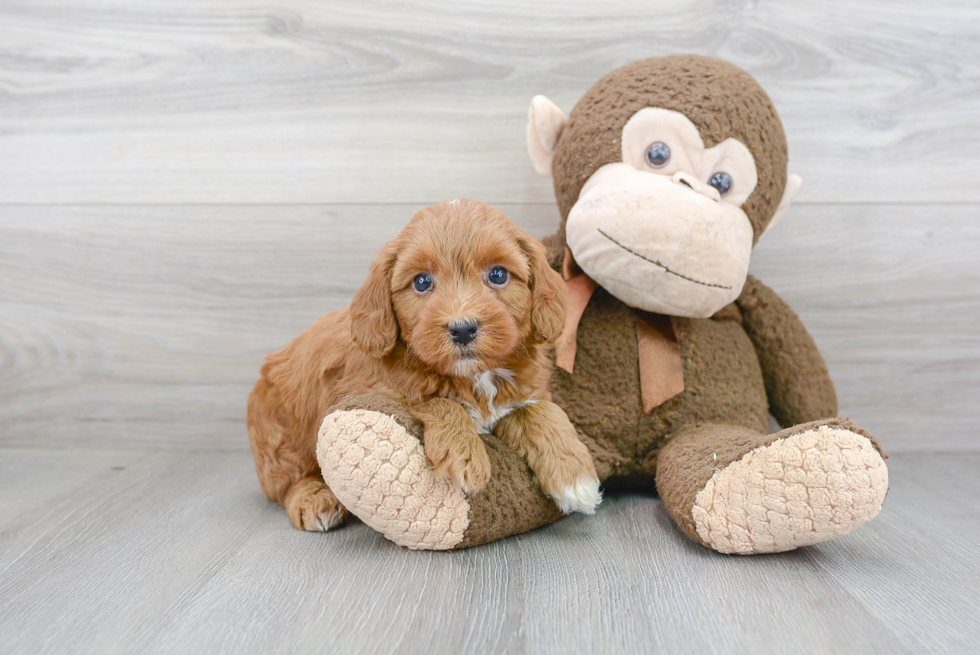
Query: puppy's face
[
  {"x": 461, "y": 293},
  {"x": 465, "y": 288}
]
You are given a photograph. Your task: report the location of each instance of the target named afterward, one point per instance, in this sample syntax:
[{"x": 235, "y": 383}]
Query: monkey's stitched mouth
[{"x": 656, "y": 263}]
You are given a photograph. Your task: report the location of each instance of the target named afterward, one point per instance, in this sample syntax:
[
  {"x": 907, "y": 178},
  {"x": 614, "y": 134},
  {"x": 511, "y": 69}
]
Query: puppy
[{"x": 455, "y": 321}]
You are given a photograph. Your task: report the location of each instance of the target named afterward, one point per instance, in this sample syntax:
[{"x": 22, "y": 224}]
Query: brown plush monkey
[{"x": 667, "y": 172}]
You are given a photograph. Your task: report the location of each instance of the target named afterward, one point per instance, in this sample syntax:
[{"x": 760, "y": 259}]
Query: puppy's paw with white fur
[
  {"x": 567, "y": 474},
  {"x": 562, "y": 464},
  {"x": 582, "y": 496}
]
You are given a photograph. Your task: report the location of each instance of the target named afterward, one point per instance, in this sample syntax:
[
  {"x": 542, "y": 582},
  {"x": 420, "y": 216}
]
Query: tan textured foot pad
[
  {"x": 801, "y": 490},
  {"x": 379, "y": 472}
]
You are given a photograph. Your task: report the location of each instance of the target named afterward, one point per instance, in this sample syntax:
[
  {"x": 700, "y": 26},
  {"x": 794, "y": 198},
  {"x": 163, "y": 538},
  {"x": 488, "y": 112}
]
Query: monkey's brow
[{"x": 656, "y": 263}]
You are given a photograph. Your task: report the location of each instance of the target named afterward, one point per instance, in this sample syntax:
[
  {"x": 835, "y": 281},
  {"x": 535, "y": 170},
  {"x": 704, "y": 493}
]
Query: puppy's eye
[
  {"x": 498, "y": 276},
  {"x": 658, "y": 154},
  {"x": 422, "y": 282}
]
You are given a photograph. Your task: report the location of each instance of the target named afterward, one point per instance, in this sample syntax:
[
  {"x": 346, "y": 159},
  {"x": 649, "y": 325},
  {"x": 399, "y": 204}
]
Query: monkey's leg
[
  {"x": 738, "y": 491},
  {"x": 371, "y": 454}
]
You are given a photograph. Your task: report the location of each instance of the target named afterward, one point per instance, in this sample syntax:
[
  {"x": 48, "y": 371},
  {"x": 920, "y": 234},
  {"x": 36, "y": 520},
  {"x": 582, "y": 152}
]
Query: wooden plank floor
[
  {"x": 184, "y": 186},
  {"x": 124, "y": 551}
]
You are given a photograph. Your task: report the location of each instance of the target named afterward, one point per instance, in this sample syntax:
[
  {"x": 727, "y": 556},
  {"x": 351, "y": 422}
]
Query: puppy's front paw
[
  {"x": 567, "y": 474},
  {"x": 465, "y": 462},
  {"x": 582, "y": 496}
]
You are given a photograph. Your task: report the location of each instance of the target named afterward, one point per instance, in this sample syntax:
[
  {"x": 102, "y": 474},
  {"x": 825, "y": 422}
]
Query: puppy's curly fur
[{"x": 395, "y": 339}]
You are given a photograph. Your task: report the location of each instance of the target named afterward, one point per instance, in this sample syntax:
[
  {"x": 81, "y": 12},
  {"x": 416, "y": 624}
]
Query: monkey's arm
[
  {"x": 556, "y": 250},
  {"x": 797, "y": 382}
]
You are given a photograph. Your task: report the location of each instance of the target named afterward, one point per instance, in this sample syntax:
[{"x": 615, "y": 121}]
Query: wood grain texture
[
  {"x": 930, "y": 509},
  {"x": 346, "y": 102},
  {"x": 146, "y": 325},
  {"x": 179, "y": 552},
  {"x": 185, "y": 186}
]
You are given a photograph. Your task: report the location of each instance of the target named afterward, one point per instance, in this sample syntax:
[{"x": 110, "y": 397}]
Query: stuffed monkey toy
[{"x": 666, "y": 173}]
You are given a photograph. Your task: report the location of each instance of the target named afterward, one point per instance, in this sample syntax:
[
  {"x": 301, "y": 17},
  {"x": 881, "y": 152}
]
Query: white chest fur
[{"x": 486, "y": 385}]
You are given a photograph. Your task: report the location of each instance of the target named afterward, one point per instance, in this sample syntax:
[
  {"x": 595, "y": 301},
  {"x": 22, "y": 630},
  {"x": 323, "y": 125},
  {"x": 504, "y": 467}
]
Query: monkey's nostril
[
  {"x": 463, "y": 332},
  {"x": 696, "y": 185}
]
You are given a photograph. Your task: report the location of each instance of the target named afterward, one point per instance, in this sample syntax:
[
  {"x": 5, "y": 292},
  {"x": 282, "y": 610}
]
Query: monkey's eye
[
  {"x": 498, "y": 276},
  {"x": 658, "y": 154},
  {"x": 721, "y": 181},
  {"x": 422, "y": 282}
]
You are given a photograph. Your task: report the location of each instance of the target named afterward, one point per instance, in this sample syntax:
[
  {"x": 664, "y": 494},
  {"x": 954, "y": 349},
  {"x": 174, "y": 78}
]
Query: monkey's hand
[
  {"x": 542, "y": 434},
  {"x": 452, "y": 444}
]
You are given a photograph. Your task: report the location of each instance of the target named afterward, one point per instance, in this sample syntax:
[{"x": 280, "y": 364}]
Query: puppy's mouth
[
  {"x": 478, "y": 356},
  {"x": 458, "y": 350},
  {"x": 465, "y": 357},
  {"x": 467, "y": 368}
]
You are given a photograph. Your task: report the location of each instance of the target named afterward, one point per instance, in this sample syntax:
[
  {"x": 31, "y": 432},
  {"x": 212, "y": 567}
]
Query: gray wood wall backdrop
[{"x": 184, "y": 186}]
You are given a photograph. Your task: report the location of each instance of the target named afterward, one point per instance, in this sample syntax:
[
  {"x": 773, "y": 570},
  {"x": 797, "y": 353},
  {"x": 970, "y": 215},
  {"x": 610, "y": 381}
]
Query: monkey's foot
[
  {"x": 771, "y": 493},
  {"x": 371, "y": 455},
  {"x": 379, "y": 472}
]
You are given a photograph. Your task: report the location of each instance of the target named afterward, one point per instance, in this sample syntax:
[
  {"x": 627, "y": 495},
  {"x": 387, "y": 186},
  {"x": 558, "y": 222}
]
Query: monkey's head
[{"x": 666, "y": 173}]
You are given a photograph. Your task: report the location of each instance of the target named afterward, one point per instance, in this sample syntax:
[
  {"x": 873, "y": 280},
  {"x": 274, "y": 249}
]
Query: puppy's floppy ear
[
  {"x": 547, "y": 292},
  {"x": 372, "y": 315}
]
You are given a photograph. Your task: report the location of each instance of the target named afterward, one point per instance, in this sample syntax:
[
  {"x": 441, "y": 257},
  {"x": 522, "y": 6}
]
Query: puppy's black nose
[{"x": 462, "y": 332}]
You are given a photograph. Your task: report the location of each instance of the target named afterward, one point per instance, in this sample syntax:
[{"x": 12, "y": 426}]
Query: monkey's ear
[
  {"x": 793, "y": 184},
  {"x": 373, "y": 326},
  {"x": 547, "y": 292},
  {"x": 544, "y": 125}
]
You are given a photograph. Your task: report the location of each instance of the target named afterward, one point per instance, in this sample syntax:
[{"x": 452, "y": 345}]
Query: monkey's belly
[{"x": 722, "y": 380}]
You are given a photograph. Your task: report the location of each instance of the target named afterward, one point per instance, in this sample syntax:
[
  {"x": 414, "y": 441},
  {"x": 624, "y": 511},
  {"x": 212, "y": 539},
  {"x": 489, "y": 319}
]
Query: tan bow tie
[{"x": 661, "y": 370}]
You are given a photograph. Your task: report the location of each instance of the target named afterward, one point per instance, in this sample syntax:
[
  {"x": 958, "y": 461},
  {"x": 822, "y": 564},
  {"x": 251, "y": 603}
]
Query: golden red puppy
[{"x": 456, "y": 321}]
